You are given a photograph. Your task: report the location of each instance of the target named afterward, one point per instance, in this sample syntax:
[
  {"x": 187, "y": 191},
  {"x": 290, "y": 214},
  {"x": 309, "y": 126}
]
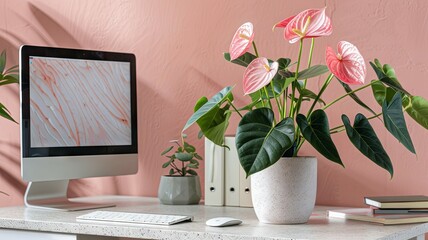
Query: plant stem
[
  {"x": 233, "y": 106},
  {"x": 293, "y": 89},
  {"x": 323, "y": 88},
  {"x": 298, "y": 60},
  {"x": 268, "y": 100},
  {"x": 255, "y": 49},
  {"x": 374, "y": 116},
  {"x": 299, "y": 102},
  {"x": 295, "y": 78},
  {"x": 284, "y": 103},
  {"x": 267, "y": 96},
  {"x": 261, "y": 98},
  {"x": 349, "y": 93},
  {"x": 300, "y": 145},
  {"x": 182, "y": 166},
  {"x": 311, "y": 51},
  {"x": 277, "y": 102},
  {"x": 335, "y": 129},
  {"x": 257, "y": 55},
  {"x": 176, "y": 168}
]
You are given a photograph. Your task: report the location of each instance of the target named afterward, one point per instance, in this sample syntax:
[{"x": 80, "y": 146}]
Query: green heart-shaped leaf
[
  {"x": 377, "y": 67},
  {"x": 389, "y": 71},
  {"x": 393, "y": 84},
  {"x": 417, "y": 108},
  {"x": 313, "y": 71},
  {"x": 306, "y": 93},
  {"x": 286, "y": 74},
  {"x": 214, "y": 124},
  {"x": 395, "y": 123},
  {"x": 259, "y": 142},
  {"x": 201, "y": 101},
  {"x": 216, "y": 100},
  {"x": 283, "y": 63},
  {"x": 243, "y": 60},
  {"x": 383, "y": 70},
  {"x": 386, "y": 75},
  {"x": 250, "y": 106},
  {"x": 277, "y": 83},
  {"x": 317, "y": 132},
  {"x": 379, "y": 91},
  {"x": 365, "y": 140},
  {"x": 212, "y": 120},
  {"x": 382, "y": 93}
]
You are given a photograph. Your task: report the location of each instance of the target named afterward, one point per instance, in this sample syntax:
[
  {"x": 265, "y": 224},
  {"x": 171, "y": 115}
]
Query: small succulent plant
[{"x": 183, "y": 160}]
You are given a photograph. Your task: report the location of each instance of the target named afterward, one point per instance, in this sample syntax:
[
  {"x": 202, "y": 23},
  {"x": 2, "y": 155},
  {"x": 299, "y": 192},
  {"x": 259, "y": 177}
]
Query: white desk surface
[{"x": 318, "y": 227}]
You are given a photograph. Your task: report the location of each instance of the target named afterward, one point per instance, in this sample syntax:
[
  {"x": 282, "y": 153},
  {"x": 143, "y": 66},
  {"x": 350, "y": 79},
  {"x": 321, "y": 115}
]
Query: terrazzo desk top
[{"x": 318, "y": 227}]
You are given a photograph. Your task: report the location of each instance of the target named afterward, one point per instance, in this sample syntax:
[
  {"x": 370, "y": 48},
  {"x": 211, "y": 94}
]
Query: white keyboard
[{"x": 132, "y": 218}]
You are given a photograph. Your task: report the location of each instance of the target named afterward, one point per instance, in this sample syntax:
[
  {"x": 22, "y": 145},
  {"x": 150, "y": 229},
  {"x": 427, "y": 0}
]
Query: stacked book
[{"x": 388, "y": 210}]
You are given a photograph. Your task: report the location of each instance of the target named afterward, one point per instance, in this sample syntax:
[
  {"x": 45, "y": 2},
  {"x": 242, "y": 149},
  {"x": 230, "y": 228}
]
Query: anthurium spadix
[
  {"x": 241, "y": 41},
  {"x": 310, "y": 23},
  {"x": 258, "y": 74},
  {"x": 347, "y": 65}
]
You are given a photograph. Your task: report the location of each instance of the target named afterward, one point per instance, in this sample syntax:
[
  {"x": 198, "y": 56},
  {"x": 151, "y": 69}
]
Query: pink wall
[{"x": 179, "y": 46}]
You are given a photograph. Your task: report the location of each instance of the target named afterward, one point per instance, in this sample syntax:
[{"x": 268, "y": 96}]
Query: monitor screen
[
  {"x": 79, "y": 102},
  {"x": 78, "y": 113}
]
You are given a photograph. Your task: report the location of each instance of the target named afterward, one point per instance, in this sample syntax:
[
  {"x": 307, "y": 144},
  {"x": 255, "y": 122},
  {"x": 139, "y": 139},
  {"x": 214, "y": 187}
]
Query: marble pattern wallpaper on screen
[{"x": 79, "y": 103}]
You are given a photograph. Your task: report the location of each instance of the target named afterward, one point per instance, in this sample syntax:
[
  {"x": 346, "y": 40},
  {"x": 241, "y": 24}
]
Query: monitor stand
[{"x": 52, "y": 195}]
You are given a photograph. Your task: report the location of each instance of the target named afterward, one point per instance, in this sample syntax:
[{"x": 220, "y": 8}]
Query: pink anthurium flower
[
  {"x": 241, "y": 41},
  {"x": 347, "y": 65},
  {"x": 258, "y": 74},
  {"x": 310, "y": 23}
]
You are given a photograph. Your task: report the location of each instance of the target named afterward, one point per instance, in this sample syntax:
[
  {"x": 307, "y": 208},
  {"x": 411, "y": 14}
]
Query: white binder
[
  {"x": 232, "y": 175},
  {"x": 244, "y": 189},
  {"x": 214, "y": 174}
]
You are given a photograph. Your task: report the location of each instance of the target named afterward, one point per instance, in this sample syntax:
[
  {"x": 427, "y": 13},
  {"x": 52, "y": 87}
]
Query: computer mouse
[{"x": 223, "y": 222}]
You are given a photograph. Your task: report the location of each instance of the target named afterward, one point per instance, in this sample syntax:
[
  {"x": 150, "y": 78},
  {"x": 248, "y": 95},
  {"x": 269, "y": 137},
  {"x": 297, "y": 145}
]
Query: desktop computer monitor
[{"x": 78, "y": 120}]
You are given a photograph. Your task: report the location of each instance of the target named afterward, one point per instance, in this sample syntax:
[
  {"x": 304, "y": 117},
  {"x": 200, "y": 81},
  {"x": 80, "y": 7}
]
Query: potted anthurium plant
[
  {"x": 182, "y": 185},
  {"x": 268, "y": 144}
]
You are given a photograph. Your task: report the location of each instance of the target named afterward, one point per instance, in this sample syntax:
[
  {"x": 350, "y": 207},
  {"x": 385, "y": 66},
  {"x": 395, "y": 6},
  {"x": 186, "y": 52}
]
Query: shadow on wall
[
  {"x": 55, "y": 31},
  {"x": 9, "y": 147},
  {"x": 13, "y": 165},
  {"x": 51, "y": 33}
]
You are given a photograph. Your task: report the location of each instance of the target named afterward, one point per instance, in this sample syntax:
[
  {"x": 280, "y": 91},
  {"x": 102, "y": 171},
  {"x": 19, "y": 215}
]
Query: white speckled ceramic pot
[{"x": 285, "y": 192}]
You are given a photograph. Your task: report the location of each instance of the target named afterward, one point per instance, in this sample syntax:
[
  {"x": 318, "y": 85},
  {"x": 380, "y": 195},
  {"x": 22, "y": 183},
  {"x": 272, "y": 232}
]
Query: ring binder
[{"x": 214, "y": 172}]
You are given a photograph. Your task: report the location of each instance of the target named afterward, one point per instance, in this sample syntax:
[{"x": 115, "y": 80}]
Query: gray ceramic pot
[{"x": 179, "y": 190}]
